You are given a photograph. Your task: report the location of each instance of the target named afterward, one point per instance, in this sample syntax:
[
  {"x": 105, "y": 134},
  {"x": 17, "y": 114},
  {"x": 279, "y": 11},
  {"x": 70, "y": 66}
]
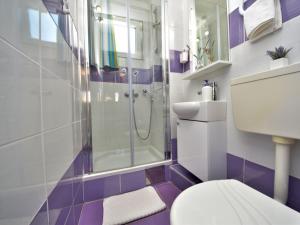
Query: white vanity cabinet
[{"x": 202, "y": 148}]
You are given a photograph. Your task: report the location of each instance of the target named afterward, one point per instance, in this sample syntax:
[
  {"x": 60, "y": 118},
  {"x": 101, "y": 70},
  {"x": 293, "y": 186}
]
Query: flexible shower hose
[{"x": 150, "y": 121}]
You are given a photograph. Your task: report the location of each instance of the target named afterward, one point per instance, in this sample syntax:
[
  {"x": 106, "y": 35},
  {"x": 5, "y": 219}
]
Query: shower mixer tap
[{"x": 134, "y": 94}]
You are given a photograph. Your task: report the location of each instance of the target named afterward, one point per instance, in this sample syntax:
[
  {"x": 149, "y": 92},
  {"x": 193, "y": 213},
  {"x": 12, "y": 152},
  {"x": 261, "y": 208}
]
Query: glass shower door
[
  {"x": 127, "y": 91},
  {"x": 110, "y": 95},
  {"x": 147, "y": 81}
]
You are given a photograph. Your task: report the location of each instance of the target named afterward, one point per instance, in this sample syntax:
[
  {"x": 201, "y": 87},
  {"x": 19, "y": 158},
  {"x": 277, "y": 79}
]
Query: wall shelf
[{"x": 207, "y": 69}]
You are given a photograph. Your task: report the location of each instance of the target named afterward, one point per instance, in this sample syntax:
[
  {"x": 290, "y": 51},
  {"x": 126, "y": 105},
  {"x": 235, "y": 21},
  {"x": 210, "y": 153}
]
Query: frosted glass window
[
  {"x": 121, "y": 37},
  {"x": 48, "y": 26},
  {"x": 34, "y": 23}
]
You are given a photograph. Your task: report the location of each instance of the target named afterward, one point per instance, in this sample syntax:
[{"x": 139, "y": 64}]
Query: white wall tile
[
  {"x": 58, "y": 154},
  {"x": 22, "y": 186},
  {"x": 57, "y": 101},
  {"x": 56, "y": 56},
  {"x": 19, "y": 95},
  {"x": 233, "y": 4},
  {"x": 175, "y": 13},
  {"x": 17, "y": 23}
]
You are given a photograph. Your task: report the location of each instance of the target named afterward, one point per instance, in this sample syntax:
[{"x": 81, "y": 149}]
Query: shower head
[{"x": 97, "y": 12}]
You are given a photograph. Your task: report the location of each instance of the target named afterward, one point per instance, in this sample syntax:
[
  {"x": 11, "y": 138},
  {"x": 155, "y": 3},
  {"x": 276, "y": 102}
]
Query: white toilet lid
[{"x": 229, "y": 202}]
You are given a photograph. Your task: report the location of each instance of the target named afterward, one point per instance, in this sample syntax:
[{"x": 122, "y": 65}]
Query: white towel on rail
[{"x": 262, "y": 18}]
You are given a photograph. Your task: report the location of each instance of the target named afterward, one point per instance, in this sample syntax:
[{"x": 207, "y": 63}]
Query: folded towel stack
[{"x": 262, "y": 18}]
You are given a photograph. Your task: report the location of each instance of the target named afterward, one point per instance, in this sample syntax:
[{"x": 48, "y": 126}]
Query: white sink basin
[
  {"x": 201, "y": 111},
  {"x": 186, "y": 109}
]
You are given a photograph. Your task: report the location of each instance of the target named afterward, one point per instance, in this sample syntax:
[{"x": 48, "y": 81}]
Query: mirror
[{"x": 208, "y": 32}]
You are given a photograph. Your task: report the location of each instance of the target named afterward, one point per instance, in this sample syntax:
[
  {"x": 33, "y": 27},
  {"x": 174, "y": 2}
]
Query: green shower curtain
[{"x": 108, "y": 56}]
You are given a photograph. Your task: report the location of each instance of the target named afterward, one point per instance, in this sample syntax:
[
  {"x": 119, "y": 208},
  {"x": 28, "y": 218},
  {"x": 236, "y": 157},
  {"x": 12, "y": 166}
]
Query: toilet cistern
[{"x": 269, "y": 103}]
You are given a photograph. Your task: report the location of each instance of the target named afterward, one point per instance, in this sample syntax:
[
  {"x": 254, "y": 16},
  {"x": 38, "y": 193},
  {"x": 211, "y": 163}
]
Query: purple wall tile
[
  {"x": 61, "y": 196},
  {"x": 167, "y": 173},
  {"x": 180, "y": 181},
  {"x": 78, "y": 197},
  {"x": 259, "y": 177},
  {"x": 156, "y": 175},
  {"x": 289, "y": 9},
  {"x": 167, "y": 192},
  {"x": 180, "y": 169},
  {"x": 186, "y": 66},
  {"x": 101, "y": 188},
  {"x": 41, "y": 218},
  {"x": 294, "y": 193},
  {"x": 92, "y": 213},
  {"x": 175, "y": 65},
  {"x": 174, "y": 149},
  {"x": 158, "y": 73},
  {"x": 235, "y": 167},
  {"x": 236, "y": 28},
  {"x": 133, "y": 181},
  {"x": 248, "y": 3},
  {"x": 59, "y": 216},
  {"x": 139, "y": 76}
]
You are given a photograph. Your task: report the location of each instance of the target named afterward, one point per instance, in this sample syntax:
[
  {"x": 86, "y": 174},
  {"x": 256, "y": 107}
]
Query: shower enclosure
[{"x": 128, "y": 85}]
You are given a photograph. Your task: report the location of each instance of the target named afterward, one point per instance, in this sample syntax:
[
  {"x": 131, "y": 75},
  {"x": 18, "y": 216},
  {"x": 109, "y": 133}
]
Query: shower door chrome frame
[
  {"x": 165, "y": 70},
  {"x": 130, "y": 88}
]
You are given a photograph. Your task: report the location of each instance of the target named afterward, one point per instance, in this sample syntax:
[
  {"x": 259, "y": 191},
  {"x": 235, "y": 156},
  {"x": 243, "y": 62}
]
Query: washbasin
[
  {"x": 201, "y": 111},
  {"x": 186, "y": 109}
]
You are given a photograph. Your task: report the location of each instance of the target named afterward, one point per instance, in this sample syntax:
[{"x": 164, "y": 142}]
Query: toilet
[{"x": 229, "y": 202}]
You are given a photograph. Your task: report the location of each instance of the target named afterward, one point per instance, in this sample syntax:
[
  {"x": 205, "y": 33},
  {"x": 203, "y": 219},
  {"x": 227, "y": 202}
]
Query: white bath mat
[{"x": 131, "y": 206}]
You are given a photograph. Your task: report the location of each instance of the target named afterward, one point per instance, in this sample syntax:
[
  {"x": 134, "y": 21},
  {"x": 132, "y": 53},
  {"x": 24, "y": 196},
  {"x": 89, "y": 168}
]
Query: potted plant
[{"x": 279, "y": 58}]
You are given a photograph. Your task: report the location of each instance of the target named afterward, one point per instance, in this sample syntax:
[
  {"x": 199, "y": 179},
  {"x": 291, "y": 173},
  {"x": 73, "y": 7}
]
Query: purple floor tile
[
  {"x": 77, "y": 212},
  {"x": 162, "y": 218},
  {"x": 92, "y": 213},
  {"x": 70, "y": 219},
  {"x": 168, "y": 192}
]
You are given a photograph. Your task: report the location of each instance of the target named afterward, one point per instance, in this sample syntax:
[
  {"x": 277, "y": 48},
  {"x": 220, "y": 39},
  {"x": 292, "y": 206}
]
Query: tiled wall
[
  {"x": 261, "y": 178},
  {"x": 99, "y": 188},
  {"x": 42, "y": 113}
]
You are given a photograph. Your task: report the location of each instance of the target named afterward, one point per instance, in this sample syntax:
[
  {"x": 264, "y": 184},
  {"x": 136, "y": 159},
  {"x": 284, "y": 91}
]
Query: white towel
[
  {"x": 127, "y": 207},
  {"x": 262, "y": 18}
]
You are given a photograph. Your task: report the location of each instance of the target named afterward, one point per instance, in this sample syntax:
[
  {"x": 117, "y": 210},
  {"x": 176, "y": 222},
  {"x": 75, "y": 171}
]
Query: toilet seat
[{"x": 229, "y": 202}]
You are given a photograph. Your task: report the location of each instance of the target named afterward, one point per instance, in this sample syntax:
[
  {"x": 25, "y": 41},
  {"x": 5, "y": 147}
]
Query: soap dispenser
[{"x": 207, "y": 92}]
